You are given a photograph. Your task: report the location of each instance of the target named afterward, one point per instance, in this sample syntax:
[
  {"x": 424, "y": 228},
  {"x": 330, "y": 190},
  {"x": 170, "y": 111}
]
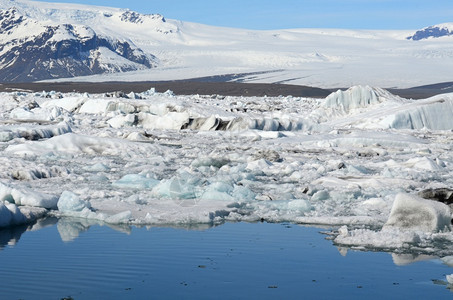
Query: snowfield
[{"x": 355, "y": 160}]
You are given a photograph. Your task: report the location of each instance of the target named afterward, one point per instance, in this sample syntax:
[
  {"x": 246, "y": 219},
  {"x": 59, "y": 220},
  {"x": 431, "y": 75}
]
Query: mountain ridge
[
  {"x": 62, "y": 50},
  {"x": 434, "y": 31}
]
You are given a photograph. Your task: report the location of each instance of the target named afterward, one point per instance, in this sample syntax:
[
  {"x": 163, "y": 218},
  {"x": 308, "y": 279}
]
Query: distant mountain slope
[
  {"x": 34, "y": 49},
  {"x": 435, "y": 31}
]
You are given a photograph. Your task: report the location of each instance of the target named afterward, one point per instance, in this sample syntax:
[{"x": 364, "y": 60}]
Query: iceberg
[
  {"x": 356, "y": 97},
  {"x": 415, "y": 213},
  {"x": 27, "y": 197}
]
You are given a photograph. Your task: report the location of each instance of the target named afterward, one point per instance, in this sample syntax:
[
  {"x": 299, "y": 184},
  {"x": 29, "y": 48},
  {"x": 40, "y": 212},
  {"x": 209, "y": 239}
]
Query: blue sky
[{"x": 279, "y": 14}]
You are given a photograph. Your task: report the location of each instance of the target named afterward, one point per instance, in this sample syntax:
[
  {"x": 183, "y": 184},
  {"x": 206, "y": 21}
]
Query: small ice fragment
[
  {"x": 447, "y": 260},
  {"x": 33, "y": 198},
  {"x": 183, "y": 186},
  {"x": 257, "y": 167},
  {"x": 120, "y": 218},
  {"x": 6, "y": 136},
  {"x": 95, "y": 106},
  {"x": 449, "y": 278},
  {"x": 320, "y": 196},
  {"x": 242, "y": 193},
  {"x": 122, "y": 121},
  {"x": 70, "y": 202},
  {"x": 135, "y": 181},
  {"x": 98, "y": 178},
  {"x": 217, "y": 162},
  {"x": 299, "y": 205},
  {"x": 99, "y": 167},
  {"x": 343, "y": 230},
  {"x": 218, "y": 191}
]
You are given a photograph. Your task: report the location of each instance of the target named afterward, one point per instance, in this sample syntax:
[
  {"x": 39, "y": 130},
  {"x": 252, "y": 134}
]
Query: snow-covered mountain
[
  {"x": 435, "y": 31},
  {"x": 53, "y": 41},
  {"x": 38, "y": 48}
]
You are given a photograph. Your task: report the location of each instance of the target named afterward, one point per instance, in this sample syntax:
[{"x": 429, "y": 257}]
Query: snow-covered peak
[
  {"x": 100, "y": 18},
  {"x": 70, "y": 32},
  {"x": 44, "y": 41},
  {"x": 137, "y": 18},
  {"x": 10, "y": 19},
  {"x": 435, "y": 31}
]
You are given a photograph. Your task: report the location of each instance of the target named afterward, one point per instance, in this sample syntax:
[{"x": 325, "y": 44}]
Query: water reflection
[
  {"x": 298, "y": 251},
  {"x": 407, "y": 259},
  {"x": 11, "y": 236},
  {"x": 71, "y": 228},
  {"x": 402, "y": 259}
]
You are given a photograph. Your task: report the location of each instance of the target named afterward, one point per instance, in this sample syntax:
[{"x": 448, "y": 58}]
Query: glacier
[
  {"x": 70, "y": 42},
  {"x": 356, "y": 160}
]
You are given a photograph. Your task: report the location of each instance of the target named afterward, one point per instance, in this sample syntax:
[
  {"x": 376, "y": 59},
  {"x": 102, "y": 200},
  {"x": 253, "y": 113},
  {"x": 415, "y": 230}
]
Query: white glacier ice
[
  {"x": 32, "y": 132},
  {"x": 412, "y": 221},
  {"x": 356, "y": 97},
  {"x": 70, "y": 202},
  {"x": 10, "y": 216},
  {"x": 412, "y": 212},
  {"x": 27, "y": 197},
  {"x": 135, "y": 181},
  {"x": 157, "y": 158},
  {"x": 433, "y": 113}
]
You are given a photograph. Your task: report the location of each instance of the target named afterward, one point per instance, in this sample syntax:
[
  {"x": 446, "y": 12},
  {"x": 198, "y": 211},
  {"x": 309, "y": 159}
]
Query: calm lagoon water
[{"x": 77, "y": 260}]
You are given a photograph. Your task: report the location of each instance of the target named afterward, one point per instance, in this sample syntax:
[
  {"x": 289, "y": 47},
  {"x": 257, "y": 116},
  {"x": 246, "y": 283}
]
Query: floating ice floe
[
  {"x": 27, "y": 197},
  {"x": 411, "y": 212},
  {"x": 412, "y": 221}
]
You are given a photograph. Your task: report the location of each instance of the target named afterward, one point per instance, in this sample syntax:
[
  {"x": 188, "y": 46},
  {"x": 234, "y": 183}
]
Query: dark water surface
[{"x": 231, "y": 261}]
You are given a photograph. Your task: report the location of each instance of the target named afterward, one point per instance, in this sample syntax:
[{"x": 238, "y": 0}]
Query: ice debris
[
  {"x": 415, "y": 213},
  {"x": 70, "y": 202},
  {"x": 412, "y": 221},
  {"x": 135, "y": 181},
  {"x": 217, "y": 159},
  {"x": 27, "y": 197}
]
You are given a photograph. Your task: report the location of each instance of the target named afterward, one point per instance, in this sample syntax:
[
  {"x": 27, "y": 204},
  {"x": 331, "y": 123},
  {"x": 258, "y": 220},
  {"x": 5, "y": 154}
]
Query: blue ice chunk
[
  {"x": 99, "y": 167},
  {"x": 183, "y": 186},
  {"x": 242, "y": 193},
  {"x": 6, "y": 216},
  {"x": 70, "y": 202},
  {"x": 218, "y": 191},
  {"x": 135, "y": 181},
  {"x": 217, "y": 162}
]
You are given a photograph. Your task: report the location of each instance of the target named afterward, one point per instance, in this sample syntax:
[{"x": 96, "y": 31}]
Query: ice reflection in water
[{"x": 282, "y": 256}]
